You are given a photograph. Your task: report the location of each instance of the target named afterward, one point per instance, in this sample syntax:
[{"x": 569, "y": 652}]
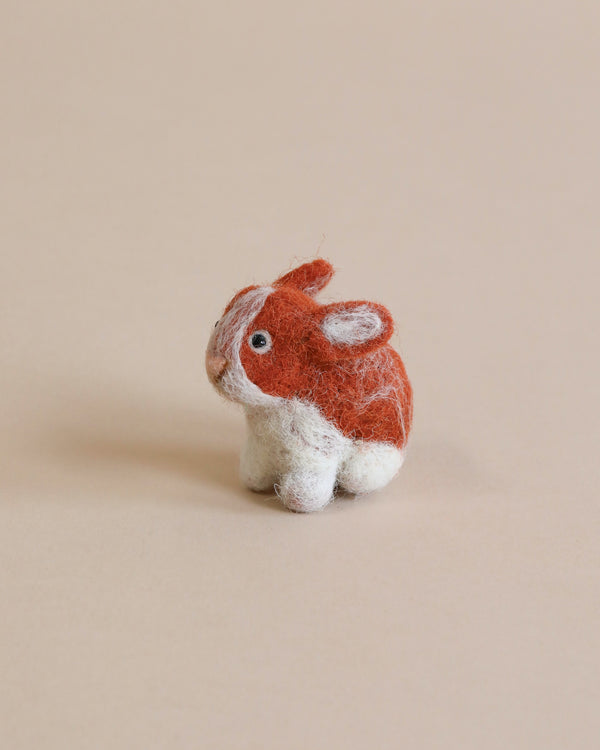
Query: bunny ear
[
  {"x": 309, "y": 278},
  {"x": 355, "y": 328}
]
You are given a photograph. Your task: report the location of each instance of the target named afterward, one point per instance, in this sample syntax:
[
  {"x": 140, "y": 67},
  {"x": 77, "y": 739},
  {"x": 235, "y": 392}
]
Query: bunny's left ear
[
  {"x": 309, "y": 278},
  {"x": 355, "y": 328}
]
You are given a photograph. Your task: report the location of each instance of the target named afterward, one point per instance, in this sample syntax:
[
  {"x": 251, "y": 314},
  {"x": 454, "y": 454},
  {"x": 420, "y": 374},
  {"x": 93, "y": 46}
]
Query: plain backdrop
[{"x": 154, "y": 158}]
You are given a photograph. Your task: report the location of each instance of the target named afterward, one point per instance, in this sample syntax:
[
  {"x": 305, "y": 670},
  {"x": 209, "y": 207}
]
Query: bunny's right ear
[
  {"x": 352, "y": 329},
  {"x": 309, "y": 278}
]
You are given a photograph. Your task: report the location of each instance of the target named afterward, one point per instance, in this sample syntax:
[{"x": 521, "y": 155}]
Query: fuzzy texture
[{"x": 327, "y": 399}]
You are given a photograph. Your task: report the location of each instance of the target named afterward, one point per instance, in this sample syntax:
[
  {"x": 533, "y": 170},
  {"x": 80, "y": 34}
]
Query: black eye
[
  {"x": 216, "y": 324},
  {"x": 260, "y": 341}
]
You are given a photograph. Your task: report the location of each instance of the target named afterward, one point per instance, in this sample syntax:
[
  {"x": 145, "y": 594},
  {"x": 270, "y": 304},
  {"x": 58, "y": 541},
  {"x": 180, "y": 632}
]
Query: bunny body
[{"x": 327, "y": 400}]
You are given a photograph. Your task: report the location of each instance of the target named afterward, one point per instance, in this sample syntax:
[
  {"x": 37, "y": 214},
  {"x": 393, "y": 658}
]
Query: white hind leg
[{"x": 369, "y": 466}]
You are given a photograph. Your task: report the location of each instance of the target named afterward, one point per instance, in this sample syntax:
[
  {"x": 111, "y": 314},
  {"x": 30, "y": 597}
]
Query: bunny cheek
[
  {"x": 285, "y": 369},
  {"x": 276, "y": 372}
]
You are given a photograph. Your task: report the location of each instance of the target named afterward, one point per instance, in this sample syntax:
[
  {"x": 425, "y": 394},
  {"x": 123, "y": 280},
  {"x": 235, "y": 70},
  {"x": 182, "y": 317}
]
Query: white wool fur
[
  {"x": 227, "y": 338},
  {"x": 352, "y": 326},
  {"x": 290, "y": 445},
  {"x": 294, "y": 448}
]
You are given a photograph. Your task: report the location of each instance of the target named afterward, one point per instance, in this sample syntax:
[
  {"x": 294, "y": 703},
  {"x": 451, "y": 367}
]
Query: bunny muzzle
[{"x": 216, "y": 365}]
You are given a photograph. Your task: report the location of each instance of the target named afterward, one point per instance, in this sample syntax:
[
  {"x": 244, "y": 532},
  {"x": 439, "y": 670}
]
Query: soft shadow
[
  {"x": 195, "y": 461},
  {"x": 123, "y": 439},
  {"x": 440, "y": 467}
]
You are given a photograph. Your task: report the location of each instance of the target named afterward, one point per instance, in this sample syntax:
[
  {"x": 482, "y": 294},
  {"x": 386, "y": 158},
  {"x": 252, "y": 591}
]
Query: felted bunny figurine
[{"x": 327, "y": 399}]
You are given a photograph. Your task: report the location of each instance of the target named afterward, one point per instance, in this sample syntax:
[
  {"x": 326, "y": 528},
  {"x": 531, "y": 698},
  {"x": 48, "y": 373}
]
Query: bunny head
[{"x": 276, "y": 342}]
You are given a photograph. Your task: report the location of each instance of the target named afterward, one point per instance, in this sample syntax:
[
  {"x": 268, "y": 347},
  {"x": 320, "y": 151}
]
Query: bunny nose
[{"x": 215, "y": 365}]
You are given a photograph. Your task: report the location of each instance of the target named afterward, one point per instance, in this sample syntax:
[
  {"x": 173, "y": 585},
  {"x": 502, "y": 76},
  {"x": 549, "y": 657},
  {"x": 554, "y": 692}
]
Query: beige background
[{"x": 154, "y": 158}]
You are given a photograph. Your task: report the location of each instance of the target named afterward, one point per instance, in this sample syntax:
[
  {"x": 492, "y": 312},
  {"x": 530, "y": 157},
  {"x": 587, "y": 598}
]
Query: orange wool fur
[
  {"x": 366, "y": 394},
  {"x": 327, "y": 399}
]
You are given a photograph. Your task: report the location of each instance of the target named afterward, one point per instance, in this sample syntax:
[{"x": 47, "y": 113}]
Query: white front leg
[
  {"x": 256, "y": 464},
  {"x": 293, "y": 445},
  {"x": 309, "y": 485}
]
